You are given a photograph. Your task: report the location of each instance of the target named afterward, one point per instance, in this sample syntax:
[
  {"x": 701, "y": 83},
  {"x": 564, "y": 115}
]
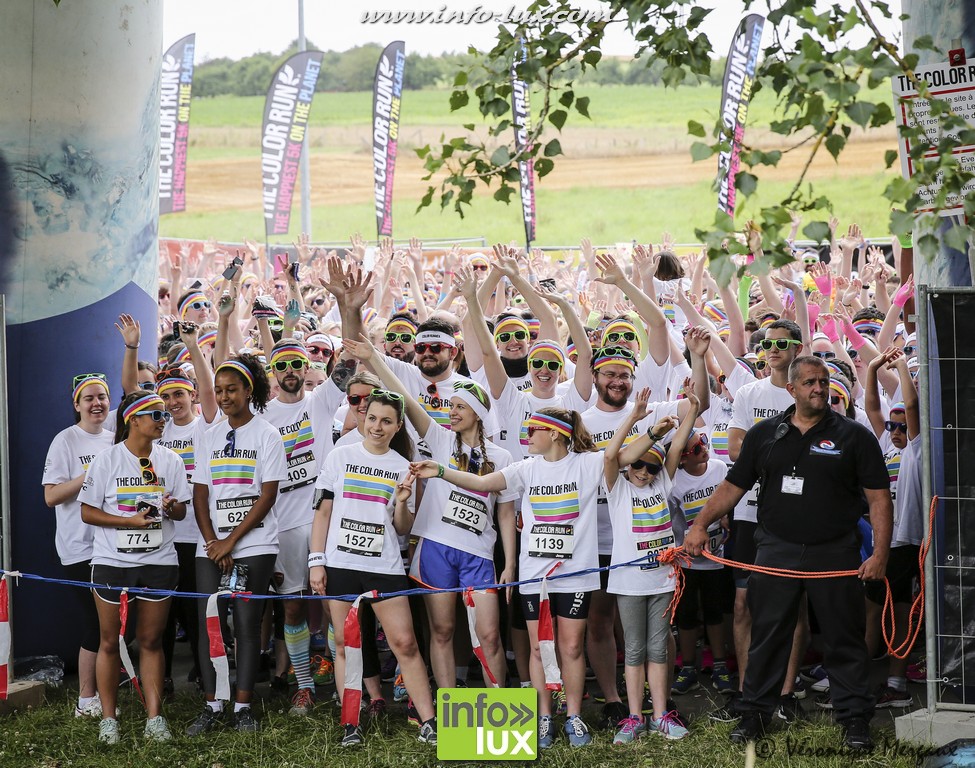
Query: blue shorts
[{"x": 438, "y": 566}]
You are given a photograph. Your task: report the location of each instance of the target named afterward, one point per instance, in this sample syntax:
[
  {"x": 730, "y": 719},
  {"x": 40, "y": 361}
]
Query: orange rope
[{"x": 676, "y": 556}]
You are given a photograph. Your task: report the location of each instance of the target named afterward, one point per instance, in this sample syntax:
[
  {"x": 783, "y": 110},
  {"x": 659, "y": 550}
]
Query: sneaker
[
  {"x": 458, "y": 683},
  {"x": 322, "y": 670},
  {"x": 302, "y": 703},
  {"x": 721, "y": 679},
  {"x": 208, "y": 720},
  {"x": 820, "y": 686},
  {"x": 577, "y": 732},
  {"x": 601, "y": 697},
  {"x": 376, "y": 708},
  {"x": 813, "y": 674},
  {"x": 352, "y": 737},
  {"x": 428, "y": 732},
  {"x": 824, "y": 701},
  {"x": 631, "y": 729},
  {"x": 685, "y": 681},
  {"x": 546, "y": 738},
  {"x": 750, "y": 727},
  {"x": 157, "y": 729},
  {"x": 319, "y": 642},
  {"x": 590, "y": 675},
  {"x": 399, "y": 690},
  {"x": 800, "y": 688},
  {"x": 244, "y": 721},
  {"x": 856, "y": 734},
  {"x": 918, "y": 673},
  {"x": 707, "y": 661},
  {"x": 108, "y": 731},
  {"x": 412, "y": 715},
  {"x": 672, "y": 708},
  {"x": 613, "y": 715},
  {"x": 647, "y": 707},
  {"x": 92, "y": 709},
  {"x": 559, "y": 701},
  {"x": 892, "y": 698},
  {"x": 728, "y": 713},
  {"x": 789, "y": 709},
  {"x": 669, "y": 726}
]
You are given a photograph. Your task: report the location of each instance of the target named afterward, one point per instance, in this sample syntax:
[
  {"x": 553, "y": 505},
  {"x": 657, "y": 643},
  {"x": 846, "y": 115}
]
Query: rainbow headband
[
  {"x": 184, "y": 305},
  {"x": 210, "y": 337},
  {"x": 368, "y": 315},
  {"x": 571, "y": 350},
  {"x": 767, "y": 320},
  {"x": 168, "y": 385},
  {"x": 510, "y": 324},
  {"x": 289, "y": 349},
  {"x": 546, "y": 346},
  {"x": 867, "y": 326},
  {"x": 234, "y": 365},
  {"x": 611, "y": 356},
  {"x": 658, "y": 451},
  {"x": 714, "y": 313},
  {"x": 550, "y": 422},
  {"x": 534, "y": 324},
  {"x": 87, "y": 383},
  {"x": 141, "y": 404},
  {"x": 898, "y": 408},
  {"x": 617, "y": 326},
  {"x": 401, "y": 322},
  {"x": 182, "y": 357},
  {"x": 840, "y": 389}
]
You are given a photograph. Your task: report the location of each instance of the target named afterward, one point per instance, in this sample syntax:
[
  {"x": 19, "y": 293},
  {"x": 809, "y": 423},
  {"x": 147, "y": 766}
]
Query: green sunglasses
[
  {"x": 283, "y": 365},
  {"x": 553, "y": 365},
  {"x": 405, "y": 338},
  {"x": 505, "y": 336}
]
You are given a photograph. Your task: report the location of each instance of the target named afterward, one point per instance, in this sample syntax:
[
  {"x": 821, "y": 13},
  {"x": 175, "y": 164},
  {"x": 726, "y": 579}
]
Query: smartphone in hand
[{"x": 231, "y": 271}]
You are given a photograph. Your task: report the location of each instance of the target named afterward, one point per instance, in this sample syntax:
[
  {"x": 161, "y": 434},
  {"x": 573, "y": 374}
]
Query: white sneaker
[
  {"x": 157, "y": 729},
  {"x": 108, "y": 731},
  {"x": 92, "y": 709}
]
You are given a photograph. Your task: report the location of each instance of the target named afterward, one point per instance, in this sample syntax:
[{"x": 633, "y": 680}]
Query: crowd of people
[{"x": 483, "y": 420}]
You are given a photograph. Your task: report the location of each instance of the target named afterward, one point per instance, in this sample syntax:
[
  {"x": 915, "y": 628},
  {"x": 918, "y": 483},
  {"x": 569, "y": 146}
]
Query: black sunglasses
[
  {"x": 422, "y": 348},
  {"x": 895, "y": 426},
  {"x": 231, "y": 438},
  {"x": 835, "y": 399},
  {"x": 651, "y": 467},
  {"x": 910, "y": 349}
]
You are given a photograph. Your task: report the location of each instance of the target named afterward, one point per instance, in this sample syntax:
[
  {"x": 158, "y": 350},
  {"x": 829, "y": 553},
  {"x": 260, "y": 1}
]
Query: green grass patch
[{"x": 49, "y": 737}]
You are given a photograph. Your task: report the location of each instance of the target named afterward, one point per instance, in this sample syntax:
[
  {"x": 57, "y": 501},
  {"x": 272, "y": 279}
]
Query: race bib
[
  {"x": 231, "y": 512},
  {"x": 139, "y": 539},
  {"x": 467, "y": 512},
  {"x": 651, "y": 549},
  {"x": 715, "y": 539},
  {"x": 552, "y": 541},
  {"x": 301, "y": 472},
  {"x": 363, "y": 539}
]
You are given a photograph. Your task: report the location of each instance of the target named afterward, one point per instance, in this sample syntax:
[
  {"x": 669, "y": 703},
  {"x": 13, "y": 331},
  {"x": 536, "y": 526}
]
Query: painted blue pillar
[{"x": 79, "y": 131}]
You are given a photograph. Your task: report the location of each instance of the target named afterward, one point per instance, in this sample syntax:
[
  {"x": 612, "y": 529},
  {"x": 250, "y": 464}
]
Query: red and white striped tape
[
  {"x": 218, "y": 651},
  {"x": 475, "y": 643},
  {"x": 4, "y": 636},
  {"x": 546, "y": 639},
  {"x": 123, "y": 650},
  {"x": 352, "y": 693}
]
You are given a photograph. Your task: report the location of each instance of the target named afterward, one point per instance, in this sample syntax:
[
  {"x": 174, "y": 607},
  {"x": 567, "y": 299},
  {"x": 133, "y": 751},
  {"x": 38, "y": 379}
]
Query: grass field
[
  {"x": 50, "y": 738},
  {"x": 626, "y": 174}
]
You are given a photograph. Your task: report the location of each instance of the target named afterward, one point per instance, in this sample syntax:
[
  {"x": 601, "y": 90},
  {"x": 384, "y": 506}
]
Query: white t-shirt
[
  {"x": 513, "y": 409},
  {"x": 688, "y": 497},
  {"x": 909, "y": 511},
  {"x": 115, "y": 484},
  {"x": 361, "y": 536},
  {"x": 754, "y": 402},
  {"x": 181, "y": 440},
  {"x": 558, "y": 508},
  {"x": 437, "y": 406},
  {"x": 453, "y": 516},
  {"x": 70, "y": 455},
  {"x": 656, "y": 377},
  {"x": 603, "y": 425},
  {"x": 641, "y": 528},
  {"x": 235, "y": 480}
]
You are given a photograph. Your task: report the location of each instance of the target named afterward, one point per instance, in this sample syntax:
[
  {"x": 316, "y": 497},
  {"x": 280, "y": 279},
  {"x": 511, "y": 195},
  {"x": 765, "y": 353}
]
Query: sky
[{"x": 238, "y": 28}]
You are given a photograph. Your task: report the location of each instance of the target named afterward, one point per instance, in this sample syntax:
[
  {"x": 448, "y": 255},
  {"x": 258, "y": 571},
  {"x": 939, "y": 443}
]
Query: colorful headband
[
  {"x": 238, "y": 367},
  {"x": 898, "y": 408},
  {"x": 478, "y": 259},
  {"x": 724, "y": 331},
  {"x": 714, "y": 313},
  {"x": 833, "y": 368},
  {"x": 183, "y": 356},
  {"x": 867, "y": 326},
  {"x": 435, "y": 337},
  {"x": 571, "y": 350},
  {"x": 291, "y": 348},
  {"x": 612, "y": 356},
  {"x": 510, "y": 324},
  {"x": 546, "y": 346},
  {"x": 210, "y": 337},
  {"x": 141, "y": 404},
  {"x": 534, "y": 324},
  {"x": 320, "y": 338},
  {"x": 767, "y": 320},
  {"x": 168, "y": 385},
  {"x": 87, "y": 382},
  {"x": 368, "y": 315},
  {"x": 472, "y": 401},
  {"x": 840, "y": 389},
  {"x": 248, "y": 277},
  {"x": 617, "y": 325},
  {"x": 550, "y": 422},
  {"x": 658, "y": 450},
  {"x": 746, "y": 367},
  {"x": 402, "y": 322},
  {"x": 184, "y": 305}
]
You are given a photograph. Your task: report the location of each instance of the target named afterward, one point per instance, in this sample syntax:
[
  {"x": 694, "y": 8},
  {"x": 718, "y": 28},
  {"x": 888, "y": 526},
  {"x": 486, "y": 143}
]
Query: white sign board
[{"x": 956, "y": 85}]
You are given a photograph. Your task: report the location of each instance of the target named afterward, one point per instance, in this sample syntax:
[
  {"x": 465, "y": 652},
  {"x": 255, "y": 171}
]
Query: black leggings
[
  {"x": 184, "y": 609},
  {"x": 247, "y": 619},
  {"x": 87, "y": 629}
]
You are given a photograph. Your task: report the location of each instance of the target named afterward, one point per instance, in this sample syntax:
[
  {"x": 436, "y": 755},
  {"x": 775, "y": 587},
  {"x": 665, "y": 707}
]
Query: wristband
[
  {"x": 316, "y": 558},
  {"x": 653, "y": 435},
  {"x": 906, "y": 240},
  {"x": 853, "y": 335},
  {"x": 440, "y": 470},
  {"x": 130, "y": 346}
]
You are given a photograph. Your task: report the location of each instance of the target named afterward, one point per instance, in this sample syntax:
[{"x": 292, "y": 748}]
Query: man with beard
[
  {"x": 614, "y": 373},
  {"x": 400, "y": 337},
  {"x": 304, "y": 421}
]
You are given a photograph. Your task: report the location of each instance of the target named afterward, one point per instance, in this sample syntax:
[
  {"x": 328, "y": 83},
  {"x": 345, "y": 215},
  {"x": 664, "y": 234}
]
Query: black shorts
[
  {"x": 567, "y": 605},
  {"x": 902, "y": 570},
  {"x": 604, "y": 562},
  {"x": 151, "y": 576},
  {"x": 741, "y": 548},
  {"x": 342, "y": 581}
]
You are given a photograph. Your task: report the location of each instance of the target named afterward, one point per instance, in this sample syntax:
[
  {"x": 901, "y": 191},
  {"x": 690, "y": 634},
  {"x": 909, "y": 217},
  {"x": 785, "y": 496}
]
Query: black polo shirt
[{"x": 836, "y": 460}]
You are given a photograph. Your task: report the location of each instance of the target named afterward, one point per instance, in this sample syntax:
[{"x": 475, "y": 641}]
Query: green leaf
[
  {"x": 746, "y": 183},
  {"x": 460, "y": 79},
  {"x": 422, "y": 151},
  {"x": 426, "y": 199},
  {"x": 553, "y": 148},
  {"x": 890, "y": 157},
  {"x": 458, "y": 100},
  {"x": 557, "y": 118},
  {"x": 503, "y": 193},
  {"x": 834, "y": 145},
  {"x": 901, "y": 222},
  {"x": 860, "y": 112},
  {"x": 592, "y": 56},
  {"x": 567, "y": 98},
  {"x": 543, "y": 166},
  {"x": 957, "y": 238},
  {"x": 501, "y": 156},
  {"x": 582, "y": 106},
  {"x": 927, "y": 245},
  {"x": 694, "y": 128},
  {"x": 817, "y": 231},
  {"x": 701, "y": 151}
]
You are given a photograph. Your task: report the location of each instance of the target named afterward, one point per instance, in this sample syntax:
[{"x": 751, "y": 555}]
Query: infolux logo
[{"x": 487, "y": 724}]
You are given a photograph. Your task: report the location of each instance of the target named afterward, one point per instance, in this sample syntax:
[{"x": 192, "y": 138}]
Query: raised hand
[
  {"x": 361, "y": 350},
  {"x": 666, "y": 241},
  {"x": 640, "y": 403},
  {"x": 358, "y": 249},
  {"x": 698, "y": 340},
  {"x": 588, "y": 253},
  {"x": 304, "y": 250},
  {"x": 424, "y": 469},
  {"x": 128, "y": 326},
  {"x": 465, "y": 282},
  {"x": 357, "y": 288},
  {"x": 645, "y": 260},
  {"x": 334, "y": 282},
  {"x": 405, "y": 489},
  {"x": 505, "y": 261},
  {"x": 904, "y": 293},
  {"x": 610, "y": 272}
]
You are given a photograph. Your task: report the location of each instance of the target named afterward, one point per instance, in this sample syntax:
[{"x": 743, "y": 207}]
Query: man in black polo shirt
[{"x": 819, "y": 472}]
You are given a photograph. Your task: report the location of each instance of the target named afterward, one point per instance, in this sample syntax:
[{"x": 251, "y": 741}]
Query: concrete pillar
[{"x": 79, "y": 131}]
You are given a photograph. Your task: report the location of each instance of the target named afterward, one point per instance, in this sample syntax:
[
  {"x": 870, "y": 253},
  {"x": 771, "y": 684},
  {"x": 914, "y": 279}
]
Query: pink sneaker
[{"x": 918, "y": 673}]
